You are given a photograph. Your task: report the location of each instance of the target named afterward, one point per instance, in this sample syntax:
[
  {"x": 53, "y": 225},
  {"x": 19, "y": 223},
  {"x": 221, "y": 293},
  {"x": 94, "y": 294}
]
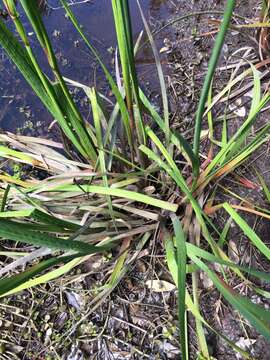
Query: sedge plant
[{"x": 83, "y": 206}]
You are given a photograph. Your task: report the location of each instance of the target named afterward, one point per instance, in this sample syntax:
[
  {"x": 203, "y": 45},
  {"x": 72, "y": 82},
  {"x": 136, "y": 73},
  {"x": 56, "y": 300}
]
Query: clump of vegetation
[{"x": 86, "y": 205}]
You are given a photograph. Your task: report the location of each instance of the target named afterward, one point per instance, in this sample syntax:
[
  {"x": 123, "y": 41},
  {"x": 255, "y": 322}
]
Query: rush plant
[{"x": 82, "y": 207}]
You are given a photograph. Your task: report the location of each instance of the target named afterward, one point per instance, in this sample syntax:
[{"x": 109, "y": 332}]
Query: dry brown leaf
[{"x": 160, "y": 285}]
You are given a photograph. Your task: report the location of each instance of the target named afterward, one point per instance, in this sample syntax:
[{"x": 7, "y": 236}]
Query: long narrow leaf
[
  {"x": 248, "y": 231},
  {"x": 15, "y": 231},
  {"x": 211, "y": 69},
  {"x": 181, "y": 261}
]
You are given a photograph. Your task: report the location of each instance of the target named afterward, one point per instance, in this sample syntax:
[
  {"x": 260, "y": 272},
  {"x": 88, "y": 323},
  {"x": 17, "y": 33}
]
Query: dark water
[{"x": 20, "y": 109}]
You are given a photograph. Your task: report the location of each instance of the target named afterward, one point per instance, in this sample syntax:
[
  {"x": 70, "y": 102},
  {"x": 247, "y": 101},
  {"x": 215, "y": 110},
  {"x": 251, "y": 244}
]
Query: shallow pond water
[{"x": 21, "y": 110}]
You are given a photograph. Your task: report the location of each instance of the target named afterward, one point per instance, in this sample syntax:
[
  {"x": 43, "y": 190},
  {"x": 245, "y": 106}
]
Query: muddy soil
[
  {"x": 56, "y": 321},
  {"x": 192, "y": 47}
]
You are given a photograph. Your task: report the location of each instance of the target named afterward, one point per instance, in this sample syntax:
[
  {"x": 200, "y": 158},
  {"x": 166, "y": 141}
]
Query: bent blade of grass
[
  {"x": 41, "y": 224},
  {"x": 173, "y": 171},
  {"x": 115, "y": 90},
  {"x": 251, "y": 210},
  {"x": 248, "y": 231},
  {"x": 181, "y": 262},
  {"x": 24, "y": 280},
  {"x": 15, "y": 231},
  {"x": 249, "y": 310},
  {"x": 121, "y": 193},
  {"x": 36, "y": 79},
  {"x": 160, "y": 76},
  {"x": 45, "y": 218},
  {"x": 254, "y": 110},
  {"x": 19, "y": 156},
  {"x": 12, "y": 180},
  {"x": 141, "y": 213},
  {"x": 230, "y": 162},
  {"x": 177, "y": 139},
  {"x": 55, "y": 160},
  {"x": 194, "y": 250},
  {"x": 172, "y": 265},
  {"x": 177, "y": 177},
  {"x": 51, "y": 275},
  {"x": 74, "y": 116},
  {"x": 23, "y": 260},
  {"x": 232, "y": 83}
]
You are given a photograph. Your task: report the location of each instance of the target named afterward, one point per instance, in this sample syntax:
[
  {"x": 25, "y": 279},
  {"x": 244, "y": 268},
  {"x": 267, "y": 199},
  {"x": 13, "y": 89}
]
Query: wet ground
[{"x": 135, "y": 323}]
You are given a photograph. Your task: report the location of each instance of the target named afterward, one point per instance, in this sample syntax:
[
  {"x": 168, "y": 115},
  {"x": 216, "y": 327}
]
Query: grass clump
[{"x": 86, "y": 205}]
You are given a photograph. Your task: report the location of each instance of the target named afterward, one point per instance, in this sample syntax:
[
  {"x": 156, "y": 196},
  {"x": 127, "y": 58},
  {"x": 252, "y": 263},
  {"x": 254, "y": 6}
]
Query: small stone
[{"x": 56, "y": 33}]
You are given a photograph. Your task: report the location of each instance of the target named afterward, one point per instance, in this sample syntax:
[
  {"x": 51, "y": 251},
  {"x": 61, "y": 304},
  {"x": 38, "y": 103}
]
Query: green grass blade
[
  {"x": 38, "y": 81},
  {"x": 185, "y": 146},
  {"x": 239, "y": 137},
  {"x": 123, "y": 46},
  {"x": 15, "y": 213},
  {"x": 177, "y": 139},
  {"x": 21, "y": 59},
  {"x": 248, "y": 231},
  {"x": 45, "y": 218},
  {"x": 121, "y": 193},
  {"x": 172, "y": 265},
  {"x": 115, "y": 90},
  {"x": 8, "y": 285},
  {"x": 179, "y": 180},
  {"x": 27, "y": 281},
  {"x": 20, "y": 232},
  {"x": 133, "y": 72},
  {"x": 254, "y": 110},
  {"x": 33, "y": 13},
  {"x": 209, "y": 114},
  {"x": 254, "y": 316},
  {"x": 194, "y": 250},
  {"x": 224, "y": 233},
  {"x": 264, "y": 186},
  {"x": 181, "y": 261},
  {"x": 160, "y": 76},
  {"x": 210, "y": 73},
  {"x": 96, "y": 110}
]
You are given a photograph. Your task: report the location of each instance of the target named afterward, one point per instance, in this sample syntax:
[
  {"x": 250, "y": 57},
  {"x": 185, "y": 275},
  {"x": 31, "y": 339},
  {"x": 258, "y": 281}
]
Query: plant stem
[{"x": 209, "y": 76}]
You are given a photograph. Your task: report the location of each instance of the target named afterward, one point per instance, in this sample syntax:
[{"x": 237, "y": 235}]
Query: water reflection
[
  {"x": 21, "y": 109},
  {"x": 42, "y": 6},
  {"x": 155, "y": 5}
]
